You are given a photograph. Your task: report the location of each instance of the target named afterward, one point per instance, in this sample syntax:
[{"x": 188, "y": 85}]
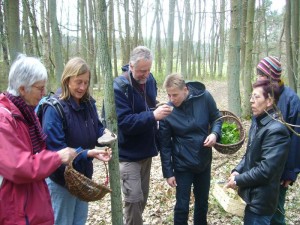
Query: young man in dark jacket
[
  {"x": 135, "y": 98},
  {"x": 186, "y": 139},
  {"x": 289, "y": 106}
]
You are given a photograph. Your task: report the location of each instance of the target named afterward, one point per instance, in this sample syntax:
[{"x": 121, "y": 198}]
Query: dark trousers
[
  {"x": 251, "y": 218},
  {"x": 201, "y": 185},
  {"x": 279, "y": 218}
]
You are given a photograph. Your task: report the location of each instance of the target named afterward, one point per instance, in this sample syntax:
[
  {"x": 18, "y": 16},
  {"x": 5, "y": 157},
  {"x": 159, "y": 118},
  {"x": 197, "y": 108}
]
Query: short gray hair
[
  {"x": 140, "y": 53},
  {"x": 25, "y": 71}
]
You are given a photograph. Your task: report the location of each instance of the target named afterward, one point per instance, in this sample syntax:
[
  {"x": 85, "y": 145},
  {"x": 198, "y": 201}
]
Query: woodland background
[{"x": 206, "y": 40}]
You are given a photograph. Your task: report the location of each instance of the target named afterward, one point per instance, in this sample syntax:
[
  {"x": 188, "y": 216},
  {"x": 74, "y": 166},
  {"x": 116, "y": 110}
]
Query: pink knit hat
[{"x": 271, "y": 67}]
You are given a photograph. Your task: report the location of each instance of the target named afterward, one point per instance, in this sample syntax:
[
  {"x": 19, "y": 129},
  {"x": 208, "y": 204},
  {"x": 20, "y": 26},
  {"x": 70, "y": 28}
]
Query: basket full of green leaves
[{"x": 233, "y": 134}]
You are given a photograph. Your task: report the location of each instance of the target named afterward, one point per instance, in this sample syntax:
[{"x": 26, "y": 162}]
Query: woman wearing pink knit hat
[{"x": 289, "y": 106}]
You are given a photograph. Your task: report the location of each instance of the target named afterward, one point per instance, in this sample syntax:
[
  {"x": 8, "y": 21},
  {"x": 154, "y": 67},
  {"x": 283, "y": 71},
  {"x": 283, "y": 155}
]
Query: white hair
[{"x": 25, "y": 71}]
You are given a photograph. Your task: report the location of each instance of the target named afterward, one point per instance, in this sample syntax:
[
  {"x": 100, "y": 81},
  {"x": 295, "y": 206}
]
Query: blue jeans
[
  {"x": 251, "y": 218},
  {"x": 201, "y": 184},
  {"x": 68, "y": 209}
]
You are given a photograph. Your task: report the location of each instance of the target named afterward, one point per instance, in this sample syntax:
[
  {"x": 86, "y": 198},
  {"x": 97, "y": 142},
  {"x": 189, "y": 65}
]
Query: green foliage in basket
[{"x": 230, "y": 133}]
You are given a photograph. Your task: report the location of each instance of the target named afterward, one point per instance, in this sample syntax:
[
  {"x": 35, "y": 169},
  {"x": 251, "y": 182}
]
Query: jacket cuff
[{"x": 289, "y": 175}]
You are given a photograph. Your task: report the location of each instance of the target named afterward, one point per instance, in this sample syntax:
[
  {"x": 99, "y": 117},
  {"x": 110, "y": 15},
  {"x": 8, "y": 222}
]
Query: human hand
[
  {"x": 210, "y": 140},
  {"x": 107, "y": 138},
  {"x": 172, "y": 181},
  {"x": 285, "y": 183},
  {"x": 103, "y": 154},
  {"x": 162, "y": 111},
  {"x": 66, "y": 155},
  {"x": 231, "y": 180}
]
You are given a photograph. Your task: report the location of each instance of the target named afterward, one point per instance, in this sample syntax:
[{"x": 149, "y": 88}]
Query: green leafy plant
[{"x": 230, "y": 133}]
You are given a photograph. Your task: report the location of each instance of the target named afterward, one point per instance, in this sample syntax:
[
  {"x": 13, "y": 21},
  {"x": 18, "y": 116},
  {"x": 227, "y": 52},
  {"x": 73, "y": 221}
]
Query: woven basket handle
[{"x": 105, "y": 165}]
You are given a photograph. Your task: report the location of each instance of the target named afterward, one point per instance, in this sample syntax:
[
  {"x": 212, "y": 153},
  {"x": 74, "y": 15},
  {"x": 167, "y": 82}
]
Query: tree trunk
[
  {"x": 127, "y": 31},
  {"x": 295, "y": 40},
  {"x": 112, "y": 38},
  {"x": 83, "y": 49},
  {"x": 158, "y": 66},
  {"x": 222, "y": 39},
  {"x": 184, "y": 49},
  {"x": 13, "y": 29},
  {"x": 248, "y": 58},
  {"x": 170, "y": 37},
  {"x": 121, "y": 38},
  {"x": 288, "y": 38},
  {"x": 111, "y": 118},
  {"x": 56, "y": 40},
  {"x": 243, "y": 39},
  {"x": 212, "y": 41},
  {"x": 136, "y": 23},
  {"x": 26, "y": 31},
  {"x": 233, "y": 67}
]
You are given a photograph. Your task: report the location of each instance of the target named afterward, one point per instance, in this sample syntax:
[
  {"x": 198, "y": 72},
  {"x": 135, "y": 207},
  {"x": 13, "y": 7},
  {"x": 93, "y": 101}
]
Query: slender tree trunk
[
  {"x": 212, "y": 40},
  {"x": 288, "y": 38},
  {"x": 158, "y": 41},
  {"x": 170, "y": 37},
  {"x": 233, "y": 67},
  {"x": 3, "y": 39},
  {"x": 248, "y": 57},
  {"x": 56, "y": 40},
  {"x": 112, "y": 37},
  {"x": 222, "y": 38},
  {"x": 83, "y": 49},
  {"x": 13, "y": 29},
  {"x": 295, "y": 40},
  {"x": 136, "y": 23},
  {"x": 111, "y": 118},
  {"x": 243, "y": 38},
  {"x": 26, "y": 31},
  {"x": 121, "y": 38},
  {"x": 127, "y": 31},
  {"x": 184, "y": 50}
]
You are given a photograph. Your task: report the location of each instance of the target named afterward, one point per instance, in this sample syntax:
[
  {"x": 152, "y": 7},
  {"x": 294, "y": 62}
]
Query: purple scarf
[{"x": 36, "y": 133}]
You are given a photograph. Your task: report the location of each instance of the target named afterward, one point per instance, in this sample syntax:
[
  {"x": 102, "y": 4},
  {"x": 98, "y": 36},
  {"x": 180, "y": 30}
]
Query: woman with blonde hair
[{"x": 83, "y": 128}]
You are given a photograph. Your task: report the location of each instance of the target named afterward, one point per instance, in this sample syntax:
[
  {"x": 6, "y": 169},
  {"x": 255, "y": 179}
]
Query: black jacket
[
  {"x": 183, "y": 132},
  {"x": 262, "y": 165}
]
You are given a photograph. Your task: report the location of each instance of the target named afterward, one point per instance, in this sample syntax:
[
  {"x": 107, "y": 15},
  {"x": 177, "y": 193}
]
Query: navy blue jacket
[
  {"x": 83, "y": 130},
  {"x": 289, "y": 105},
  {"x": 137, "y": 126},
  {"x": 183, "y": 132},
  {"x": 262, "y": 165}
]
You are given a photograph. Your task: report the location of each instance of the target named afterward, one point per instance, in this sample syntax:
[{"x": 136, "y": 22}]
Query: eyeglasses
[
  {"x": 254, "y": 97},
  {"x": 41, "y": 89}
]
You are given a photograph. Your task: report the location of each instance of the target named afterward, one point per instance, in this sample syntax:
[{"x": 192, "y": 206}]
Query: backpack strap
[
  {"x": 122, "y": 85},
  {"x": 55, "y": 103}
]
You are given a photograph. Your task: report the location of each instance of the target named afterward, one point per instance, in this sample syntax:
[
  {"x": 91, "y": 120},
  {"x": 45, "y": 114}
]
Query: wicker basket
[
  {"x": 83, "y": 187},
  {"x": 231, "y": 148}
]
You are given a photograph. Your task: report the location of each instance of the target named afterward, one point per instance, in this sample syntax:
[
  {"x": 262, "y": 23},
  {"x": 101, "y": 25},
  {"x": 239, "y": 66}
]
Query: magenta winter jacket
[{"x": 24, "y": 195}]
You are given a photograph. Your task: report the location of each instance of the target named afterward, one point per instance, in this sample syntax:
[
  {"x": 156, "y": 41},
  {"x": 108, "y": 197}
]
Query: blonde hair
[
  {"x": 174, "y": 80},
  {"x": 74, "y": 67}
]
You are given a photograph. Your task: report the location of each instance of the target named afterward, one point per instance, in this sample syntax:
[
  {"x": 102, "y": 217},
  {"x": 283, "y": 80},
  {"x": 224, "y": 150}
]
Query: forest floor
[{"x": 159, "y": 209}]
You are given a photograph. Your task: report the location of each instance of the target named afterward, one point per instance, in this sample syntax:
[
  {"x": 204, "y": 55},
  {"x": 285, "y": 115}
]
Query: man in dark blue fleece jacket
[{"x": 135, "y": 98}]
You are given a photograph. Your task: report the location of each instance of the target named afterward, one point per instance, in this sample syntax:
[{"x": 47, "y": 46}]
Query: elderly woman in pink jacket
[{"x": 24, "y": 161}]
